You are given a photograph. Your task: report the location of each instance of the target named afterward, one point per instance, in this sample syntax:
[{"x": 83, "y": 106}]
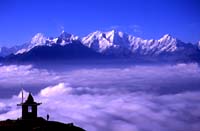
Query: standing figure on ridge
[{"x": 47, "y": 117}]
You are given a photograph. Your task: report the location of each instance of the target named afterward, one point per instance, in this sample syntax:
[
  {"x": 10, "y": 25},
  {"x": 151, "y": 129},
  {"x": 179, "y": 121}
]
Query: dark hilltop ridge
[{"x": 31, "y": 122}]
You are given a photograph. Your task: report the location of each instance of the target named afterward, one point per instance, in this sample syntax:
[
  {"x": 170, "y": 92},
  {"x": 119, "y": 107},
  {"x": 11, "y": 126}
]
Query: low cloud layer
[
  {"x": 132, "y": 98},
  {"x": 164, "y": 79}
]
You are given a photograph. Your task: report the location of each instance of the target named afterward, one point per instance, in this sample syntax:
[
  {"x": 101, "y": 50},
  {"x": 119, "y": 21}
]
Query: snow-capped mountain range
[
  {"x": 113, "y": 43},
  {"x": 120, "y": 42}
]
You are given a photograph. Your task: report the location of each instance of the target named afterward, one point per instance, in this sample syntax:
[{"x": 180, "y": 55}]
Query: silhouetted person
[{"x": 47, "y": 117}]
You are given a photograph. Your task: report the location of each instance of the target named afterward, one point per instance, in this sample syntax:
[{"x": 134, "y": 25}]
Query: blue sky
[{"x": 22, "y": 19}]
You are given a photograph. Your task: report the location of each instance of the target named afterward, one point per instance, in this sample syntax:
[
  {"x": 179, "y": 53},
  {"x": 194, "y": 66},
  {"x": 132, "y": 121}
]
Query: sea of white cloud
[{"x": 130, "y": 98}]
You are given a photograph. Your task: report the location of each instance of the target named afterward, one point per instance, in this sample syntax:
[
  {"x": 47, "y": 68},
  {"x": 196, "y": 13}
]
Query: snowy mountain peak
[
  {"x": 100, "y": 41},
  {"x": 38, "y": 39},
  {"x": 65, "y": 35},
  {"x": 66, "y": 38},
  {"x": 63, "y": 31},
  {"x": 167, "y": 37},
  {"x": 115, "y": 33}
]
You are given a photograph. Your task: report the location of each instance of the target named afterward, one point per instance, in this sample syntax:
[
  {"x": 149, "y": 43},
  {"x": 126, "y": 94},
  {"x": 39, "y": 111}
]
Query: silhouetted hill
[
  {"x": 29, "y": 120},
  {"x": 38, "y": 124}
]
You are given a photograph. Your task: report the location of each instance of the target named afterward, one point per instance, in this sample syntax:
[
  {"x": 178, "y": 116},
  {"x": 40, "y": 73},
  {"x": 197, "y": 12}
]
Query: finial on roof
[{"x": 30, "y": 98}]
